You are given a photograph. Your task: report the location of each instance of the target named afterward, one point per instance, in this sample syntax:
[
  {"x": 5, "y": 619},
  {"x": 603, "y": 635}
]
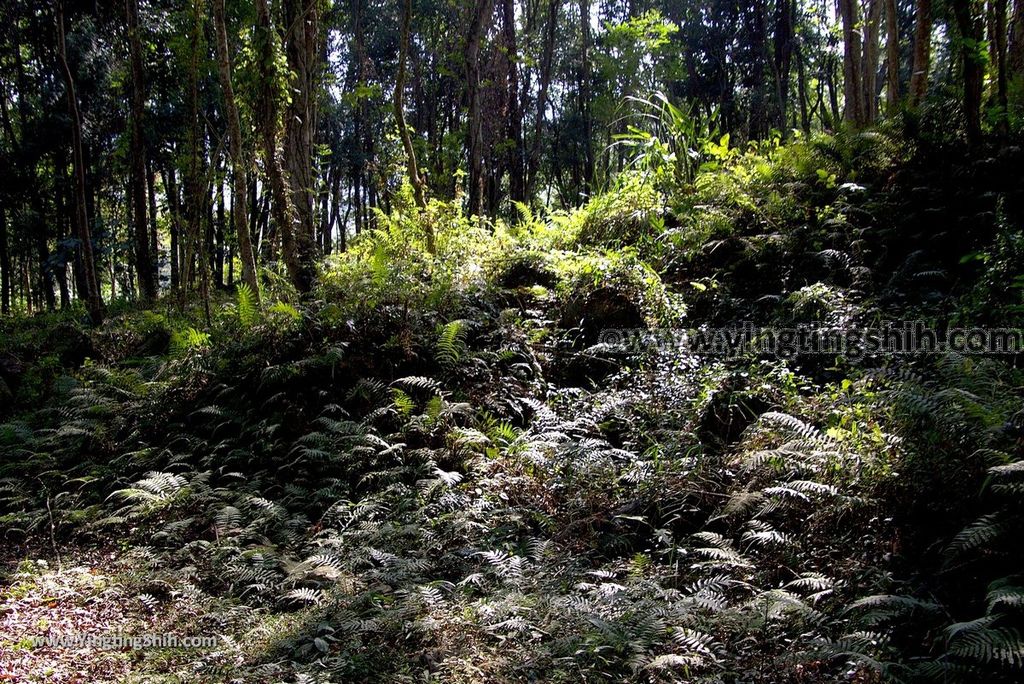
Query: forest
[{"x": 472, "y": 341}]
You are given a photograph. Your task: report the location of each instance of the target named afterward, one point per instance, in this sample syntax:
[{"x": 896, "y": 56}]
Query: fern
[
  {"x": 184, "y": 341},
  {"x": 245, "y": 303},
  {"x": 451, "y": 346}
]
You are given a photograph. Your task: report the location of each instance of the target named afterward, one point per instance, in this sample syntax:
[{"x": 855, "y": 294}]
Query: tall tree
[
  {"x": 921, "y": 63},
  {"x": 1015, "y": 49},
  {"x": 892, "y": 56},
  {"x": 517, "y": 169},
  {"x": 999, "y": 47},
  {"x": 971, "y": 64},
  {"x": 853, "y": 90},
  {"x": 783, "y": 47},
  {"x": 870, "y": 61},
  {"x": 269, "y": 125},
  {"x": 40, "y": 228},
  {"x": 5, "y": 264},
  {"x": 584, "y": 77},
  {"x": 93, "y": 297},
  {"x": 399, "y": 107},
  {"x": 144, "y": 264},
  {"x": 239, "y": 214},
  {"x": 302, "y": 49},
  {"x": 546, "y": 64},
  {"x": 478, "y": 25}
]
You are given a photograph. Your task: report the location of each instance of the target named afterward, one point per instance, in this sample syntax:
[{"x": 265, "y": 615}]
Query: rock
[
  {"x": 527, "y": 273},
  {"x": 731, "y": 410},
  {"x": 721, "y": 255},
  {"x": 72, "y": 345},
  {"x": 11, "y": 371},
  {"x": 602, "y": 309},
  {"x": 156, "y": 342}
]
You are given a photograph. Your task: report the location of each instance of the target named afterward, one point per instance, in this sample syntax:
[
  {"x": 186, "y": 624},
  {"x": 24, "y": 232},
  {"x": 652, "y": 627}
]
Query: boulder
[
  {"x": 72, "y": 345},
  {"x": 156, "y": 342},
  {"x": 731, "y": 410},
  {"x": 11, "y": 372},
  {"x": 601, "y": 309},
  {"x": 526, "y": 273}
]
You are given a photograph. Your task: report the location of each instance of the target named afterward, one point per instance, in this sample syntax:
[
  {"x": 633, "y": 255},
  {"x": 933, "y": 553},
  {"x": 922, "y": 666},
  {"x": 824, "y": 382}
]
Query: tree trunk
[
  {"x": 336, "y": 209},
  {"x": 144, "y": 266},
  {"x": 39, "y": 228},
  {"x": 5, "y": 266},
  {"x": 195, "y": 178},
  {"x": 41, "y": 237},
  {"x": 302, "y": 49},
  {"x": 783, "y": 45},
  {"x": 853, "y": 88},
  {"x": 999, "y": 48},
  {"x": 517, "y": 156},
  {"x": 154, "y": 228},
  {"x": 869, "y": 63},
  {"x": 972, "y": 66},
  {"x": 892, "y": 56},
  {"x": 1015, "y": 51},
  {"x": 584, "y": 86},
  {"x": 478, "y": 24},
  {"x": 547, "y": 58},
  {"x": 269, "y": 123},
  {"x": 239, "y": 215},
  {"x": 220, "y": 234},
  {"x": 94, "y": 300},
  {"x": 403, "y": 129},
  {"x": 171, "y": 188},
  {"x": 922, "y": 52},
  {"x": 801, "y": 84}
]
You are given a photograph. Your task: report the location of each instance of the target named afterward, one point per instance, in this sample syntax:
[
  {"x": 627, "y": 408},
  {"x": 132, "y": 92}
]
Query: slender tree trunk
[
  {"x": 195, "y": 178},
  {"x": 892, "y": 56},
  {"x": 584, "y": 87},
  {"x": 785, "y": 20},
  {"x": 998, "y": 43},
  {"x": 754, "y": 35},
  {"x": 399, "y": 108},
  {"x": 171, "y": 188},
  {"x": 221, "y": 236},
  {"x": 969, "y": 25},
  {"x": 94, "y": 300},
  {"x": 39, "y": 227},
  {"x": 144, "y": 266},
  {"x": 65, "y": 227},
  {"x": 1015, "y": 51},
  {"x": 302, "y": 49},
  {"x": 5, "y": 265},
  {"x": 853, "y": 89},
  {"x": 833, "y": 94},
  {"x": 336, "y": 207},
  {"x": 478, "y": 25},
  {"x": 154, "y": 228},
  {"x": 801, "y": 85},
  {"x": 269, "y": 115},
  {"x": 921, "y": 63},
  {"x": 41, "y": 237},
  {"x": 547, "y": 59},
  {"x": 870, "y": 61},
  {"x": 239, "y": 215},
  {"x": 517, "y": 155}
]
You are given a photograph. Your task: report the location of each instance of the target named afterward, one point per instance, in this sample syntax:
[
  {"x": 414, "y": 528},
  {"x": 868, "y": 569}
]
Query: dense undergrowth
[{"x": 437, "y": 470}]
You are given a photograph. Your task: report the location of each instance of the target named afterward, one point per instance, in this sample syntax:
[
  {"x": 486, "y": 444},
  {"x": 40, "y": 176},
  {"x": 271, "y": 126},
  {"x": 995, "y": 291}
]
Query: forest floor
[{"x": 442, "y": 467}]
